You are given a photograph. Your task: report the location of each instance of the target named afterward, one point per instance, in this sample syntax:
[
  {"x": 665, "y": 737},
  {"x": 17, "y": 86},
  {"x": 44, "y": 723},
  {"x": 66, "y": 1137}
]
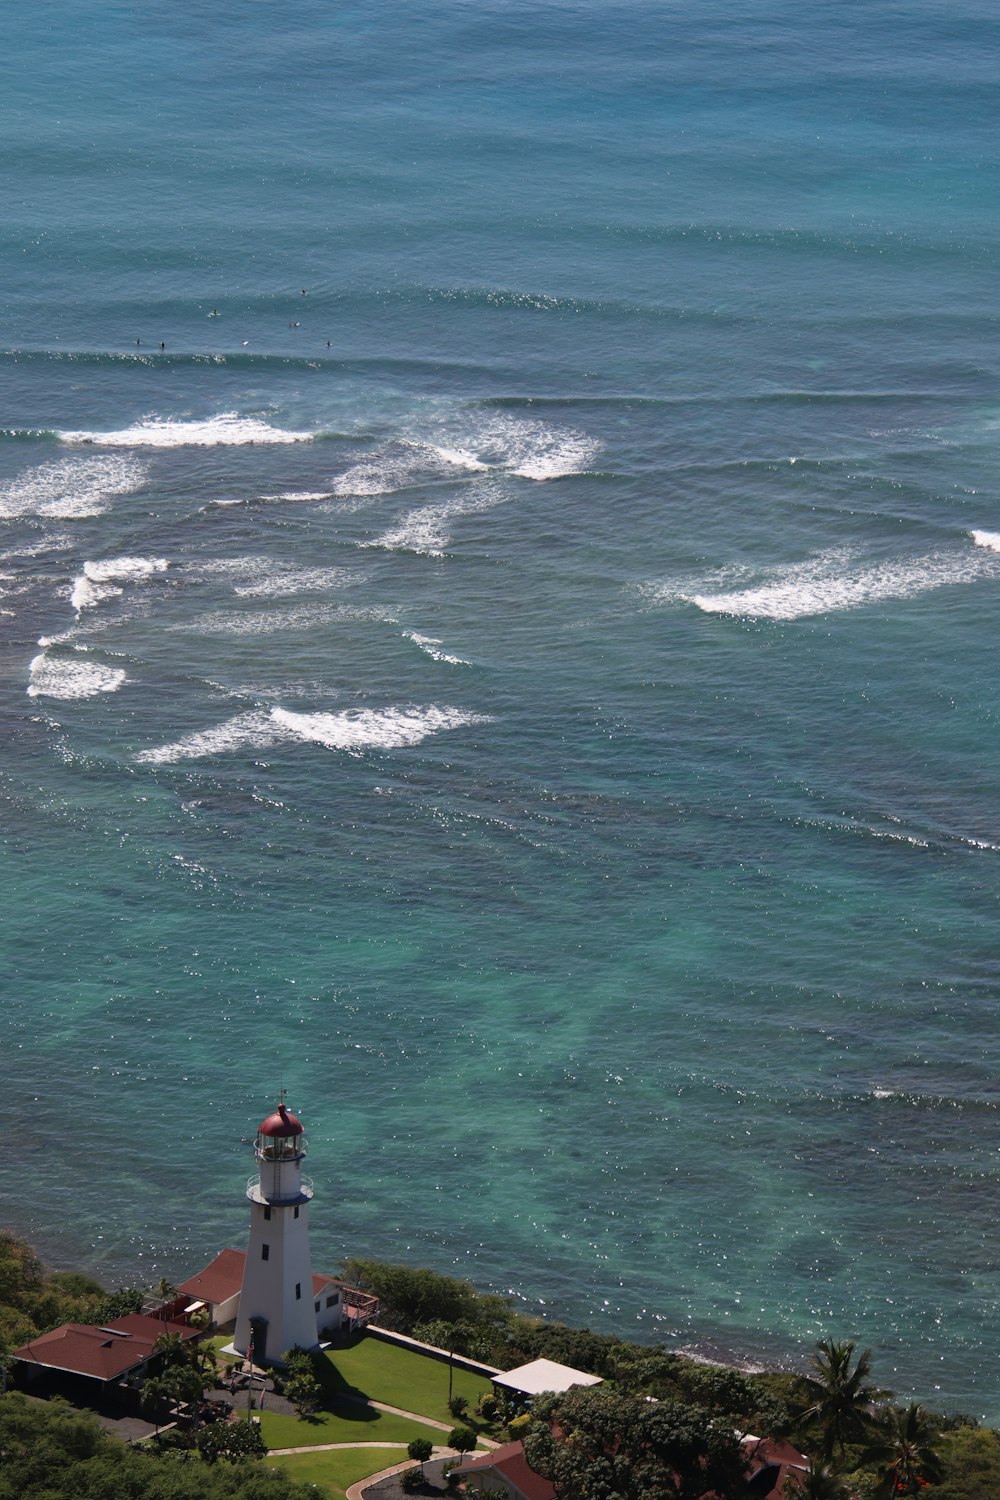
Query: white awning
[{"x": 543, "y": 1375}]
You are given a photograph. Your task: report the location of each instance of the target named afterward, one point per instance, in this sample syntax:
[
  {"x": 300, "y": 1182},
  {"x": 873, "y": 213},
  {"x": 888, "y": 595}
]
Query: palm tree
[
  {"x": 905, "y": 1452},
  {"x": 815, "y": 1483},
  {"x": 842, "y": 1396},
  {"x": 172, "y": 1350}
]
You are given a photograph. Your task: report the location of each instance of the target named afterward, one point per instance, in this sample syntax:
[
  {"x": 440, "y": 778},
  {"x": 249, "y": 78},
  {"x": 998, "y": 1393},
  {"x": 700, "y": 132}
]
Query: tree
[
  {"x": 304, "y": 1392},
  {"x": 155, "y": 1400},
  {"x": 179, "y": 1385},
  {"x": 593, "y": 1442},
  {"x": 971, "y": 1458},
  {"x": 420, "y": 1451},
  {"x": 842, "y": 1397},
  {"x": 119, "y": 1304},
  {"x": 412, "y": 1297},
  {"x": 51, "y": 1451},
  {"x": 462, "y": 1439},
  {"x": 905, "y": 1454},
  {"x": 817, "y": 1483},
  {"x": 236, "y": 1442}
]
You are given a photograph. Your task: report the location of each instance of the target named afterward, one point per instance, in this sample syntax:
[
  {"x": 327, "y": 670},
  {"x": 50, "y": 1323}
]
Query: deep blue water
[{"x": 517, "y": 666}]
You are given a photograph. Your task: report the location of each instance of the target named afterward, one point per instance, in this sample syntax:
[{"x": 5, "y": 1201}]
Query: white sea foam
[
  {"x": 475, "y": 443},
  {"x": 352, "y": 730},
  {"x": 227, "y": 429},
  {"x": 830, "y": 583},
  {"x": 530, "y": 448},
  {"x": 259, "y": 622},
  {"x": 382, "y": 729},
  {"x": 99, "y": 580},
  {"x": 290, "y": 495},
  {"x": 398, "y": 467},
  {"x": 71, "y": 488},
  {"x": 253, "y": 730},
  {"x": 428, "y": 529},
  {"x": 276, "y": 581},
  {"x": 988, "y": 539},
  {"x": 72, "y": 677},
  {"x": 432, "y": 646}
]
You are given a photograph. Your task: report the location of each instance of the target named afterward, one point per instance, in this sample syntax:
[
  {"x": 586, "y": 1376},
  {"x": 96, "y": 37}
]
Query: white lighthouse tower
[{"x": 276, "y": 1303}]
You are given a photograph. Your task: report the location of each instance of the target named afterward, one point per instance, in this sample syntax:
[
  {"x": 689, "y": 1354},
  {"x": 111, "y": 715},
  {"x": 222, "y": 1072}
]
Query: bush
[
  {"x": 237, "y": 1442},
  {"x": 463, "y": 1439},
  {"x": 304, "y": 1392},
  {"x": 420, "y": 1450},
  {"x": 458, "y": 1406},
  {"x": 489, "y": 1406},
  {"x": 411, "y": 1479}
]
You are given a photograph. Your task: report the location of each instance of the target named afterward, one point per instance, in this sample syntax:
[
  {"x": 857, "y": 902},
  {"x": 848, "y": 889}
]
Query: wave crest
[
  {"x": 71, "y": 488},
  {"x": 228, "y": 429},
  {"x": 352, "y": 730},
  {"x": 72, "y": 677}
]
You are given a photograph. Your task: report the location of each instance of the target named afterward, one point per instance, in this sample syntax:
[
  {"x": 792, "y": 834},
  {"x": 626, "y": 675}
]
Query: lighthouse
[{"x": 276, "y": 1311}]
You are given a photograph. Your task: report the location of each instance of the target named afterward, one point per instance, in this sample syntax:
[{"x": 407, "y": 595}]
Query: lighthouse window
[
  {"x": 265, "y": 1251},
  {"x": 298, "y": 1291},
  {"x": 296, "y": 1214},
  {"x": 267, "y": 1212}
]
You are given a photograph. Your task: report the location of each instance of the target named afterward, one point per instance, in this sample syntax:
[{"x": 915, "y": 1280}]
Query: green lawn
[
  {"x": 333, "y": 1472},
  {"x": 402, "y": 1377},
  {"x": 347, "y": 1423}
]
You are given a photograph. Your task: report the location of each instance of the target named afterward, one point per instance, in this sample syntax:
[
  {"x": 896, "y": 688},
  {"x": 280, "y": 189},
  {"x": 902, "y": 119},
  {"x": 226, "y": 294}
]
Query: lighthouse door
[{"x": 258, "y": 1329}]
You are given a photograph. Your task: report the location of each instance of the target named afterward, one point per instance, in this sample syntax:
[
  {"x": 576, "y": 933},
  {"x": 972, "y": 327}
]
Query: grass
[
  {"x": 346, "y": 1423},
  {"x": 403, "y": 1377},
  {"x": 370, "y": 1369},
  {"x": 334, "y": 1472}
]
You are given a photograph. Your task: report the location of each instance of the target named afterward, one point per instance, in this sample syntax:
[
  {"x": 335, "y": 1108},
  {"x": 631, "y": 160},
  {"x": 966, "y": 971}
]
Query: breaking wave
[
  {"x": 72, "y": 677},
  {"x": 353, "y": 730},
  {"x": 830, "y": 583},
  {"x": 228, "y": 429},
  {"x": 71, "y": 488},
  {"x": 100, "y": 580},
  {"x": 432, "y": 647}
]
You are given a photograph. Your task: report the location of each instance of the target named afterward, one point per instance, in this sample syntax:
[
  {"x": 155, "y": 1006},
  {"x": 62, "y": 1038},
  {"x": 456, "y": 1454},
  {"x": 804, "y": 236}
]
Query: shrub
[
  {"x": 420, "y": 1449},
  {"x": 411, "y": 1479},
  {"x": 458, "y": 1406},
  {"x": 489, "y": 1406},
  {"x": 462, "y": 1438}
]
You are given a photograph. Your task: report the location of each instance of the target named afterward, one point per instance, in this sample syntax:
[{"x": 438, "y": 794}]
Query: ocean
[{"x": 500, "y": 581}]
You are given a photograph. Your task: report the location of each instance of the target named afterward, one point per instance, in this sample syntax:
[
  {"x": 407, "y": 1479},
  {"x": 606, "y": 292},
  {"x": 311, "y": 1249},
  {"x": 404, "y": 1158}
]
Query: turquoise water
[{"x": 533, "y": 695}]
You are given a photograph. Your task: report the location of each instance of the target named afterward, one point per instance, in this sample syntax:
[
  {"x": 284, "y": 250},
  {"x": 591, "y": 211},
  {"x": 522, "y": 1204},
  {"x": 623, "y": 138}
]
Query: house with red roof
[
  {"x": 101, "y": 1366},
  {"x": 218, "y": 1287},
  {"x": 770, "y": 1462}
]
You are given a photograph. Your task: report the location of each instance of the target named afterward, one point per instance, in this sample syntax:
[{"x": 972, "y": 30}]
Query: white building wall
[{"x": 269, "y": 1285}]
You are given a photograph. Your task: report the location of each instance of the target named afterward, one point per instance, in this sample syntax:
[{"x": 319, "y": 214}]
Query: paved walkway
[
  {"x": 414, "y": 1416},
  {"x": 385, "y": 1486}
]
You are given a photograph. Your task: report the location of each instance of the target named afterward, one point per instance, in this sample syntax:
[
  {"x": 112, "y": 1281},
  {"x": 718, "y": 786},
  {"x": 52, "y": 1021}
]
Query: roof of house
[
  {"x": 222, "y": 1278},
  {"x": 543, "y": 1375},
  {"x": 772, "y": 1462},
  {"x": 101, "y": 1353},
  {"x": 510, "y": 1461}
]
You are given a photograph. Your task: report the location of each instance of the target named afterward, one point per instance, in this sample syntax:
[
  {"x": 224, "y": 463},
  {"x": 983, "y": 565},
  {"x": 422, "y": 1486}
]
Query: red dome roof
[{"x": 282, "y": 1122}]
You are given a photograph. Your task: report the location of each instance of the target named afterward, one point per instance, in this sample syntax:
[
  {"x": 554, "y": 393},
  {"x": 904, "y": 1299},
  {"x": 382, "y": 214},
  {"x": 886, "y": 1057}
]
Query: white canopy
[{"x": 543, "y": 1375}]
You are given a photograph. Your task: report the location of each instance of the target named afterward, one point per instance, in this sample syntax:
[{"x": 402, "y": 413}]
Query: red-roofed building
[
  {"x": 770, "y": 1463},
  {"x": 99, "y": 1365},
  {"x": 218, "y": 1288},
  {"x": 505, "y": 1468}
]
